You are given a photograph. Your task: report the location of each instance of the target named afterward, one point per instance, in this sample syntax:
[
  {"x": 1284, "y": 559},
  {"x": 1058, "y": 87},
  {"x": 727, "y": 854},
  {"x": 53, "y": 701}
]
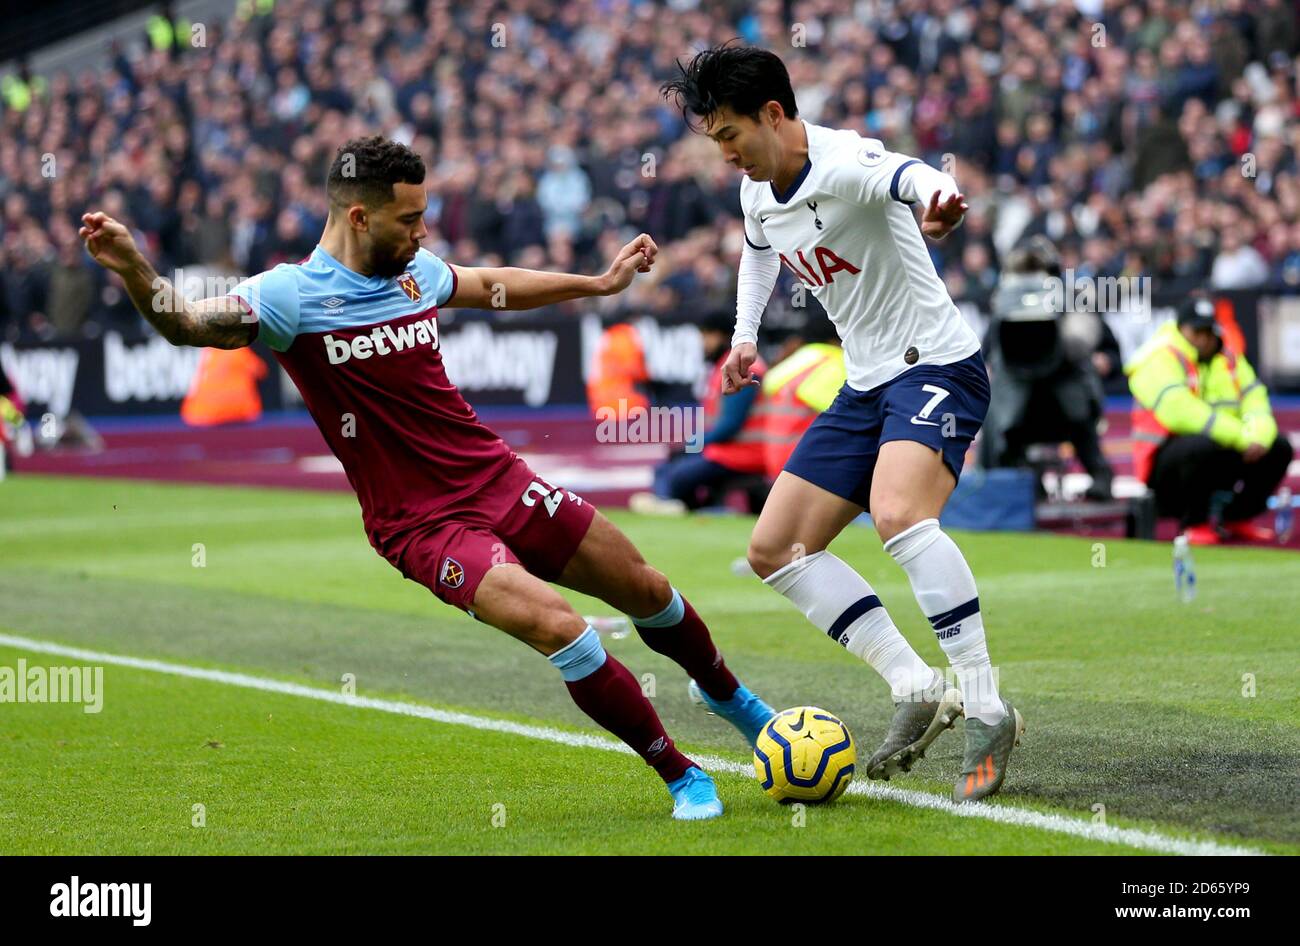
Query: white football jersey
[{"x": 846, "y": 230}]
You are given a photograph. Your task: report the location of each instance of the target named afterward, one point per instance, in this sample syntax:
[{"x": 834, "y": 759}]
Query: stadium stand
[{"x": 1150, "y": 138}]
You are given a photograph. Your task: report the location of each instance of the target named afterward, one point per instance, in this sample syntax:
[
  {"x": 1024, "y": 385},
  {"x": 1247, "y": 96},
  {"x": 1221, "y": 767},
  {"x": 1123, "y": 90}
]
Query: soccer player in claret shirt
[
  {"x": 443, "y": 498},
  {"x": 835, "y": 208}
]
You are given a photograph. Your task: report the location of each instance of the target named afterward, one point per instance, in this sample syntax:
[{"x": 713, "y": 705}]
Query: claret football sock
[
  {"x": 607, "y": 692},
  {"x": 945, "y": 590},
  {"x": 840, "y": 602},
  {"x": 679, "y": 634}
]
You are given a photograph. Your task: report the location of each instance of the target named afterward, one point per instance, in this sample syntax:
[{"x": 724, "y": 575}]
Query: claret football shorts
[{"x": 520, "y": 519}]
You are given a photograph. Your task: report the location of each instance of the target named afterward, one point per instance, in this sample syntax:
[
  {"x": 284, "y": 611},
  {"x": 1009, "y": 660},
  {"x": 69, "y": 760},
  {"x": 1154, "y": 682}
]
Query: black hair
[
  {"x": 742, "y": 78},
  {"x": 819, "y": 329},
  {"x": 716, "y": 319},
  {"x": 1035, "y": 255},
  {"x": 365, "y": 169}
]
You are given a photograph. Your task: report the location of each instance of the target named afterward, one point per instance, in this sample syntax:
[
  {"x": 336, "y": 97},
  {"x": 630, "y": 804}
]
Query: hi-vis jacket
[
  {"x": 224, "y": 388},
  {"x": 793, "y": 394},
  {"x": 1175, "y": 395},
  {"x": 743, "y": 451}
]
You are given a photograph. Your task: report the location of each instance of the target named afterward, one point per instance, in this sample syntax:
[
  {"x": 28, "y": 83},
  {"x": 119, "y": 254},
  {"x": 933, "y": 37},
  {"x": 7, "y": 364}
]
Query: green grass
[
  {"x": 1133, "y": 701},
  {"x": 278, "y": 774}
]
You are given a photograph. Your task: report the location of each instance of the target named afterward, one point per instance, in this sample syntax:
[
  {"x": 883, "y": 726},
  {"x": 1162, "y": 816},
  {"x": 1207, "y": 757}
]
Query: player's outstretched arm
[
  {"x": 940, "y": 219},
  {"x": 220, "y": 322},
  {"x": 507, "y": 287}
]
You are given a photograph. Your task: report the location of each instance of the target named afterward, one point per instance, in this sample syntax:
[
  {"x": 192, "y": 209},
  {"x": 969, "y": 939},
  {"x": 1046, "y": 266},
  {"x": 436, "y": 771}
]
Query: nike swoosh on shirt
[{"x": 927, "y": 423}]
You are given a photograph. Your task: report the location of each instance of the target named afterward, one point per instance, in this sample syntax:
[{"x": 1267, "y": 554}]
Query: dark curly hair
[
  {"x": 1035, "y": 255},
  {"x": 365, "y": 169},
  {"x": 742, "y": 78}
]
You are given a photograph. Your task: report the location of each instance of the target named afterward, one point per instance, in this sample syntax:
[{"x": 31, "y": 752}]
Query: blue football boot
[
  {"x": 744, "y": 710},
  {"x": 695, "y": 797}
]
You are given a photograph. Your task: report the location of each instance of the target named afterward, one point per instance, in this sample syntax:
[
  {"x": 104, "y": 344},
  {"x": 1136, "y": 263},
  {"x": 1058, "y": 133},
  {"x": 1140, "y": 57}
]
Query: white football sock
[
  {"x": 945, "y": 590},
  {"x": 840, "y": 602}
]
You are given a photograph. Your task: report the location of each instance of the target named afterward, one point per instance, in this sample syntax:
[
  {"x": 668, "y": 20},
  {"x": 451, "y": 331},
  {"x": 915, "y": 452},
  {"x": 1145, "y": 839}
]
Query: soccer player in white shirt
[{"x": 835, "y": 208}]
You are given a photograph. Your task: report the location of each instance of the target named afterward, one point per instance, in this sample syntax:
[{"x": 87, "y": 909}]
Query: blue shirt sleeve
[
  {"x": 735, "y": 408},
  {"x": 273, "y": 298},
  {"x": 437, "y": 275}
]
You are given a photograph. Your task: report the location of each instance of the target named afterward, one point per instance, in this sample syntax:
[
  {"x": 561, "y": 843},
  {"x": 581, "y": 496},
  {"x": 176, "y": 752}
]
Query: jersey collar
[
  {"x": 352, "y": 274},
  {"x": 784, "y": 197}
]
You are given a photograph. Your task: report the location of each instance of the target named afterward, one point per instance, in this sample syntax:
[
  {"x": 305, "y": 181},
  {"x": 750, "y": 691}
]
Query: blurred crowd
[{"x": 1143, "y": 137}]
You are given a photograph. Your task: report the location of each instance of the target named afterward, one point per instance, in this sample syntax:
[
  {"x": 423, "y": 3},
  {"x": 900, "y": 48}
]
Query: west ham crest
[
  {"x": 409, "y": 286},
  {"x": 453, "y": 576}
]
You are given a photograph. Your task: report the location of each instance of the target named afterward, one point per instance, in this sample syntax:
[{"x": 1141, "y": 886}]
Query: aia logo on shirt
[
  {"x": 827, "y": 265},
  {"x": 409, "y": 286},
  {"x": 453, "y": 575}
]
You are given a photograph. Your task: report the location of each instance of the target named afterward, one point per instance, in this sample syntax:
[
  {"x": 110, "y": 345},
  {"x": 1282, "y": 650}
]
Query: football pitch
[{"x": 270, "y": 685}]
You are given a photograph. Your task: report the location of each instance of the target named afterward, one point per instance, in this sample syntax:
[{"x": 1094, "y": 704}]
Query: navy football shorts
[{"x": 941, "y": 406}]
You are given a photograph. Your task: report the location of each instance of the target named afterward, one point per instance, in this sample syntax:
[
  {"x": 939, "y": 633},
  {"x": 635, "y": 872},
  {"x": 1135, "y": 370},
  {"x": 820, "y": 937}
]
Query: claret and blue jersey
[
  {"x": 364, "y": 353},
  {"x": 320, "y": 295}
]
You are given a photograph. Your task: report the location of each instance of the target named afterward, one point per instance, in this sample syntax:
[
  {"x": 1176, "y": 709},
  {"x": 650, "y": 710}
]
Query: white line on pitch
[{"x": 1003, "y": 814}]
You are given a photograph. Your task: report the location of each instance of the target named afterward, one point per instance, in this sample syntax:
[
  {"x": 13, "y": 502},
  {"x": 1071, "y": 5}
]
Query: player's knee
[
  {"x": 891, "y": 518},
  {"x": 555, "y": 628},
  {"x": 654, "y": 590},
  {"x": 766, "y": 558}
]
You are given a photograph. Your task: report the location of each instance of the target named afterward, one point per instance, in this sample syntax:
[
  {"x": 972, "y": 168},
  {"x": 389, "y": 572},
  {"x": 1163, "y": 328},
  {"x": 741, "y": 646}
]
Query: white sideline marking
[{"x": 1003, "y": 814}]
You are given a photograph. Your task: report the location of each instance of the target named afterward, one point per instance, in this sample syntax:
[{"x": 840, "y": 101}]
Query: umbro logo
[
  {"x": 657, "y": 746},
  {"x": 332, "y": 303}
]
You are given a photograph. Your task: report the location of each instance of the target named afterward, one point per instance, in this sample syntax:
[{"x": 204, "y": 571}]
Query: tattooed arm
[{"x": 219, "y": 322}]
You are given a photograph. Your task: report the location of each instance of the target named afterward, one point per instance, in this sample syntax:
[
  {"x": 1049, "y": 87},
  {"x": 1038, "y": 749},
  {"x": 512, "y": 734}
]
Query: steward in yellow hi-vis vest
[
  {"x": 734, "y": 430},
  {"x": 1202, "y": 425},
  {"x": 794, "y": 393},
  {"x": 728, "y": 450}
]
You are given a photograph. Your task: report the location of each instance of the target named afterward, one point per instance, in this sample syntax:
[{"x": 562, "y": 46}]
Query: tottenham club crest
[
  {"x": 453, "y": 576},
  {"x": 409, "y": 286}
]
